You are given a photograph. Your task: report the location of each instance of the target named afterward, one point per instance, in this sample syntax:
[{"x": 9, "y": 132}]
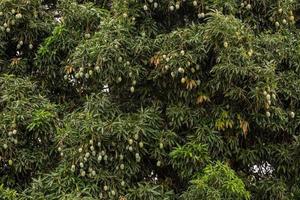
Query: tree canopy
[{"x": 150, "y": 99}]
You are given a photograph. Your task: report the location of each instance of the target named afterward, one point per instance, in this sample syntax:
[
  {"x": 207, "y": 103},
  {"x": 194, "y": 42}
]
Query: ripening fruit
[
  {"x": 292, "y": 114},
  {"x": 268, "y": 114}
]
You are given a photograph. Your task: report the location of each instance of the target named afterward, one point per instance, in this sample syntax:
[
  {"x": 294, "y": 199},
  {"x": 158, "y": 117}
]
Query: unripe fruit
[
  {"x": 177, "y": 6},
  {"x": 73, "y": 168},
  {"x": 182, "y": 52},
  {"x": 132, "y": 89},
  {"x": 105, "y": 188},
  {"x": 225, "y": 44},
  {"x": 130, "y": 148},
  {"x": 268, "y": 114},
  {"x": 81, "y": 165},
  {"x": 113, "y": 193},
  {"x": 80, "y": 150},
  {"x": 268, "y": 97},
  {"x": 292, "y": 114},
  {"x": 265, "y": 93},
  {"x": 82, "y": 173},
  {"x": 284, "y": 21},
  {"x": 105, "y": 157},
  {"x": 161, "y": 145},
  {"x": 173, "y": 74},
  {"x": 59, "y": 149},
  {"x": 122, "y": 183},
  {"x": 120, "y": 59},
  {"x": 121, "y": 157},
  {"x": 97, "y": 68},
  {"x": 87, "y": 35},
  {"x": 99, "y": 158},
  {"x": 166, "y": 67},
  {"x": 141, "y": 144},
  {"x": 158, "y": 164},
  {"x": 136, "y": 136},
  {"x": 93, "y": 173},
  {"x": 248, "y": 7},
  {"x": 195, "y": 3},
  {"x": 130, "y": 141},
  {"x": 201, "y": 15},
  {"x": 5, "y": 146},
  {"x": 155, "y": 5},
  {"x": 134, "y": 82},
  {"x": 122, "y": 166},
  {"x": 119, "y": 79},
  {"x": 10, "y": 162},
  {"x": 90, "y": 72},
  {"x": 30, "y": 46},
  {"x": 183, "y": 80},
  {"x": 7, "y": 30},
  {"x": 180, "y": 70},
  {"x": 277, "y": 24},
  {"x": 280, "y": 10},
  {"x": 171, "y": 8},
  {"x": 145, "y": 7}
]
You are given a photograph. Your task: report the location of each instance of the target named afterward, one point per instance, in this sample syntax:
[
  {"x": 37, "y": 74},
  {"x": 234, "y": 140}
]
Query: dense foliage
[{"x": 149, "y": 99}]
